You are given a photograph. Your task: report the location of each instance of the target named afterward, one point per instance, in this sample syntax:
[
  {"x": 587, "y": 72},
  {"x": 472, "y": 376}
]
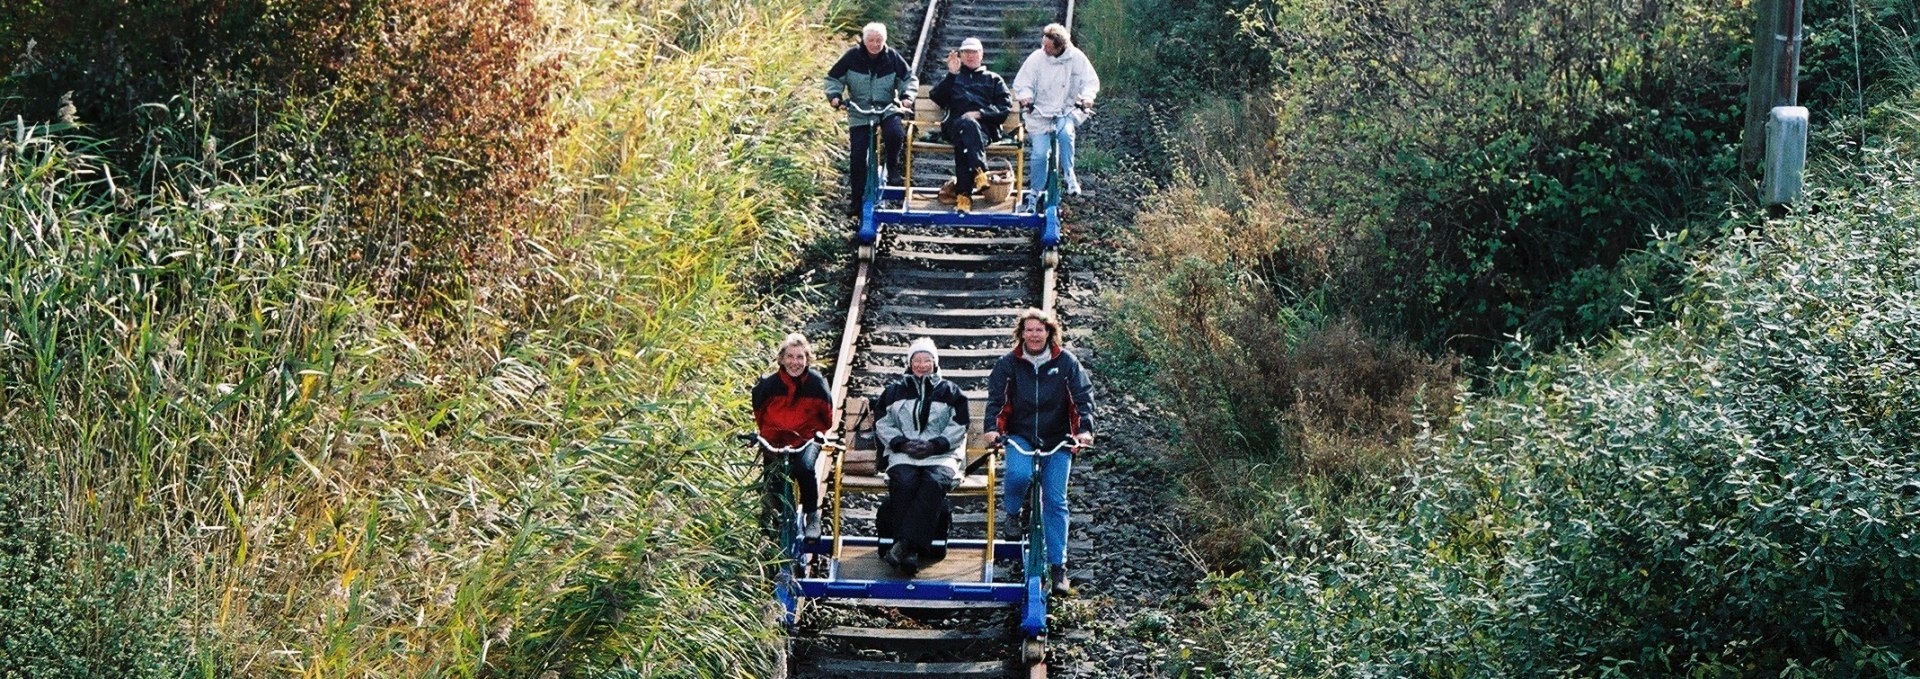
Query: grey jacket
[
  {"x": 923, "y": 409},
  {"x": 871, "y": 81}
]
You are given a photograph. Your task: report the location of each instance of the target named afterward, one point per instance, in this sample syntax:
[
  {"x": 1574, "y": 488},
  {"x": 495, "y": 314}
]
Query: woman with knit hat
[{"x": 923, "y": 424}]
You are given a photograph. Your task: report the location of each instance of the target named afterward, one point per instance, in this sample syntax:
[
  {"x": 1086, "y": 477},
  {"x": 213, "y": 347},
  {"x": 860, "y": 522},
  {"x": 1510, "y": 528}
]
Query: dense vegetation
[
  {"x": 392, "y": 338},
  {"x": 1682, "y": 442}
]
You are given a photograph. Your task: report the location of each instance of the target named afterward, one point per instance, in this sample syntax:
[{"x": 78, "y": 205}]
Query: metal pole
[{"x": 1774, "y": 78}]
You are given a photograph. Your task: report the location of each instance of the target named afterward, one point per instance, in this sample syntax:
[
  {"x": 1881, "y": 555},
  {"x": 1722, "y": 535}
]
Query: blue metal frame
[
  {"x": 915, "y": 590},
  {"x": 1046, "y": 219},
  {"x": 1033, "y": 621},
  {"x": 1031, "y": 593}
]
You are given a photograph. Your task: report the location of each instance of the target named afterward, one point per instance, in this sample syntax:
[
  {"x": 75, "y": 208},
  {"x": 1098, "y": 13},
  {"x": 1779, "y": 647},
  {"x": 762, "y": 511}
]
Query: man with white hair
[
  {"x": 1055, "y": 87},
  {"x": 872, "y": 82}
]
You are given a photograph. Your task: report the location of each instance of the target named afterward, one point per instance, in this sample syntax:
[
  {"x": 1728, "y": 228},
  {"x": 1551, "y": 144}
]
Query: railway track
[{"x": 962, "y": 287}]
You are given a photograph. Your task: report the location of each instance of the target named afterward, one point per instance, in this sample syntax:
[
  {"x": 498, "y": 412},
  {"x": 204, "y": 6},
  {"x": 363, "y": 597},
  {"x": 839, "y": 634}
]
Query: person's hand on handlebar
[
  {"x": 989, "y": 438},
  {"x": 834, "y": 102},
  {"x": 1085, "y": 438}
]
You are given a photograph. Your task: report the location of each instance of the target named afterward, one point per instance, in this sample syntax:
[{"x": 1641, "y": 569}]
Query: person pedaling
[
  {"x": 1056, "y": 87},
  {"x": 869, "y": 81},
  {"x": 1038, "y": 396},
  {"x": 790, "y": 407}
]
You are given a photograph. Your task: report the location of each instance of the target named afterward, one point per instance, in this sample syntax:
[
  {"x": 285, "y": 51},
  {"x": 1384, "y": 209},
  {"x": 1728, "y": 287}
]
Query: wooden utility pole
[{"x": 1774, "y": 80}]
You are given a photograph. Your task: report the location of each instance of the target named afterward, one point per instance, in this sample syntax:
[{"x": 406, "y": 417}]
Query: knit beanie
[{"x": 924, "y": 344}]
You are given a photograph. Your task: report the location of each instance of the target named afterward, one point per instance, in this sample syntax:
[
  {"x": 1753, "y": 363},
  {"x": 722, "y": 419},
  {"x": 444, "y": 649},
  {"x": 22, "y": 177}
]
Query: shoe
[
  {"x": 812, "y": 529},
  {"x": 1027, "y": 203},
  {"x": 902, "y": 559},
  {"x": 887, "y": 555},
  {"x": 1061, "y": 586},
  {"x": 980, "y": 180},
  {"x": 1073, "y": 186},
  {"x": 1017, "y": 523},
  {"x": 963, "y": 204}
]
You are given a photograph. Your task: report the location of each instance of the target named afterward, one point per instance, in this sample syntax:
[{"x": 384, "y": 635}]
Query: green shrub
[
  {"x": 107, "y": 57},
  {"x": 68, "y": 610},
  {"x": 1729, "y": 494},
  {"x": 1491, "y": 152},
  {"x": 1173, "y": 51}
]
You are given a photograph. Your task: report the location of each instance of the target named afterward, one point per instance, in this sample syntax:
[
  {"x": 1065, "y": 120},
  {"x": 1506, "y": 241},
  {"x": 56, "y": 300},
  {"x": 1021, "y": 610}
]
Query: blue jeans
[
  {"x": 1053, "y": 484},
  {"x": 1064, "y": 129},
  {"x": 800, "y": 467}
]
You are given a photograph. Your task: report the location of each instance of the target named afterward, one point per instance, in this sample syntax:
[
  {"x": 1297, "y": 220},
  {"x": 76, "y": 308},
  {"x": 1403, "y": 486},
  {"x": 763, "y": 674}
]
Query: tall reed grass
[{"x": 327, "y": 490}]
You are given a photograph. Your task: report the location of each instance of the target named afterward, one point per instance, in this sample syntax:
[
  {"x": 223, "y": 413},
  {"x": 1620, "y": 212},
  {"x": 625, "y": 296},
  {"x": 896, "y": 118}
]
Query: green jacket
[{"x": 870, "y": 81}]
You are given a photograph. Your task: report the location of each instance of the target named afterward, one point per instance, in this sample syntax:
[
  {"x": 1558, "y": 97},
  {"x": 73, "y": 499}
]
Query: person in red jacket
[{"x": 790, "y": 406}]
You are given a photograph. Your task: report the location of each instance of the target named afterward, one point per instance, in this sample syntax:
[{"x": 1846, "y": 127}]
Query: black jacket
[
  {"x": 1044, "y": 404},
  {"x": 975, "y": 90}
]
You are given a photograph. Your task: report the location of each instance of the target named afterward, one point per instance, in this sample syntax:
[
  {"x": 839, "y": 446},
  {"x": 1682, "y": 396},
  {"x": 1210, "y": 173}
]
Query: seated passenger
[
  {"x": 1055, "y": 88},
  {"x": 923, "y": 422},
  {"x": 790, "y": 406},
  {"x": 977, "y": 103},
  {"x": 871, "y": 76}
]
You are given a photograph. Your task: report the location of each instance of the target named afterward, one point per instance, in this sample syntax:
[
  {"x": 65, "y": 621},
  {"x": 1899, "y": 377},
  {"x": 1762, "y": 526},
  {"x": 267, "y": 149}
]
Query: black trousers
[
  {"x": 859, "y": 138},
  {"x": 916, "y": 511},
  {"x": 969, "y": 149}
]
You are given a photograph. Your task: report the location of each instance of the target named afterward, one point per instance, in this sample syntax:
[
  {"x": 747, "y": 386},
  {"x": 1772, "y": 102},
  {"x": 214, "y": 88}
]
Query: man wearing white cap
[
  {"x": 923, "y": 424},
  {"x": 977, "y": 103}
]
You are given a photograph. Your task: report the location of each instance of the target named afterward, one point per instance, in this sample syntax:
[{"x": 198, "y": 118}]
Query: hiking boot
[
  {"x": 1061, "y": 586},
  {"x": 1017, "y": 523},
  {"x": 963, "y": 204},
  {"x": 980, "y": 181}
]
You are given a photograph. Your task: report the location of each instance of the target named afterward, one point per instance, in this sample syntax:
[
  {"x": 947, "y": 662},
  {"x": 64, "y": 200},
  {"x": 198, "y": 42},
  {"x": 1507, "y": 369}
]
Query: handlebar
[
  {"x": 890, "y": 108},
  {"x": 1069, "y": 444},
  {"x": 756, "y": 438}
]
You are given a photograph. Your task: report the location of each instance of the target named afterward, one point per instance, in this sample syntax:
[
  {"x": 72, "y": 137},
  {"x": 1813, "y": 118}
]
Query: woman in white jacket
[{"x": 1055, "y": 87}]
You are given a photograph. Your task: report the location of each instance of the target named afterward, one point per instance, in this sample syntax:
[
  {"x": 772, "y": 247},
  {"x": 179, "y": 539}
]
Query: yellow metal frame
[
  {"x": 912, "y": 126},
  {"x": 986, "y": 562},
  {"x": 839, "y": 496}
]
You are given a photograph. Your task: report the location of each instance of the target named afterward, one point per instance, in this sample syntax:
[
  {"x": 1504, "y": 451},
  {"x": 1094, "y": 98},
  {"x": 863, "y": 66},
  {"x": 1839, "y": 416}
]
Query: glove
[
  {"x": 919, "y": 449},
  {"x": 898, "y": 444},
  {"x": 938, "y": 446}
]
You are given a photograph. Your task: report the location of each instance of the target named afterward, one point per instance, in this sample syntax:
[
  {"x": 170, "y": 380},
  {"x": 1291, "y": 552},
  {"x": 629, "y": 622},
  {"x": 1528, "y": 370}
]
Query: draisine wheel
[
  {"x": 1050, "y": 258},
  {"x": 866, "y": 253},
  {"x": 1033, "y": 651}
]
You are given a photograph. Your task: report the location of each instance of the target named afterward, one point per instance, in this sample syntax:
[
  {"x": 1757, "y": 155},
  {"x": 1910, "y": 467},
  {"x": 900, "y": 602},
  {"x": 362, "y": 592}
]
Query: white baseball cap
[{"x": 970, "y": 45}]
